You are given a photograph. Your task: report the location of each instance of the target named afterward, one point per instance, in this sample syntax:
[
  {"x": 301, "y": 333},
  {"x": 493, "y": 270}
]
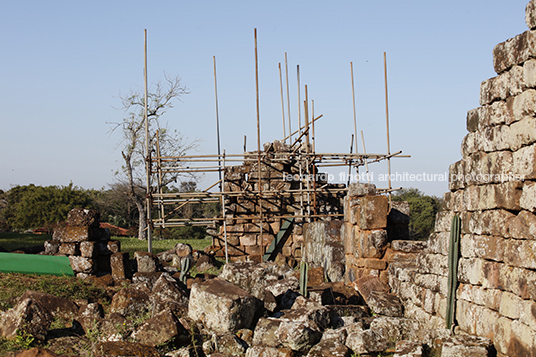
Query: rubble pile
[{"x": 248, "y": 310}]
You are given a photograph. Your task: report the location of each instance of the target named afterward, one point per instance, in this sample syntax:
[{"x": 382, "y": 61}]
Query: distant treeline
[{"x": 31, "y": 207}]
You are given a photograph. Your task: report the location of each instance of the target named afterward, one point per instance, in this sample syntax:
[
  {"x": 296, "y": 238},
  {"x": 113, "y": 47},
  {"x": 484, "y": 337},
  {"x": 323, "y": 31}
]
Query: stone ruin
[
  {"x": 88, "y": 246},
  {"x": 279, "y": 173},
  {"x": 370, "y": 289}
]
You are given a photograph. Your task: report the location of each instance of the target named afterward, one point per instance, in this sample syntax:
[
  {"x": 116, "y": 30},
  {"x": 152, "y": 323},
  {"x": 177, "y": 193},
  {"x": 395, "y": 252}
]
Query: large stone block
[
  {"x": 373, "y": 211},
  {"x": 528, "y": 196},
  {"x": 490, "y": 298},
  {"x": 28, "y": 316},
  {"x": 529, "y": 73},
  {"x": 521, "y": 133},
  {"x": 505, "y": 195},
  {"x": 514, "y": 51},
  {"x": 494, "y": 89},
  {"x": 145, "y": 262},
  {"x": 510, "y": 305},
  {"x": 133, "y": 301},
  {"x": 523, "y": 226},
  {"x": 530, "y": 15},
  {"x": 72, "y": 234},
  {"x": 520, "y": 253},
  {"x": 524, "y": 163},
  {"x": 120, "y": 265},
  {"x": 69, "y": 249},
  {"x": 472, "y": 119},
  {"x": 82, "y": 264},
  {"x": 159, "y": 329},
  {"x": 514, "y": 338},
  {"x": 370, "y": 243},
  {"x": 88, "y": 249},
  {"x": 492, "y": 222},
  {"x": 222, "y": 306},
  {"x": 361, "y": 189},
  {"x": 83, "y": 217},
  {"x": 466, "y": 346},
  {"x": 479, "y": 246}
]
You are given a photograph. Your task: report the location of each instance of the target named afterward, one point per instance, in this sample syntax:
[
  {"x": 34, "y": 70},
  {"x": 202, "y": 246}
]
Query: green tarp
[{"x": 35, "y": 264}]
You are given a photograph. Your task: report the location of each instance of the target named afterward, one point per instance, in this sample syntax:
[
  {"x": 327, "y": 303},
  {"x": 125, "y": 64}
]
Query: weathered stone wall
[
  {"x": 493, "y": 190},
  {"x": 279, "y": 173},
  {"x": 374, "y": 233}
]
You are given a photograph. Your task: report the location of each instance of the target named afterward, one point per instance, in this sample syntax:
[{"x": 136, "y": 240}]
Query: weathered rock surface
[
  {"x": 131, "y": 301},
  {"x": 161, "y": 328},
  {"x": 124, "y": 349},
  {"x": 222, "y": 306},
  {"x": 28, "y": 316}
]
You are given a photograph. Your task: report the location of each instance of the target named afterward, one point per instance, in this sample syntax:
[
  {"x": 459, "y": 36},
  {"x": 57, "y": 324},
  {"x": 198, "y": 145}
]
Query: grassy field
[{"x": 12, "y": 241}]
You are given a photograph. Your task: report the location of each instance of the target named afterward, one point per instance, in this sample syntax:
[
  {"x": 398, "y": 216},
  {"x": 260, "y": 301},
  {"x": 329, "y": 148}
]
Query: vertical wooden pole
[
  {"x": 258, "y": 138},
  {"x": 217, "y": 122},
  {"x": 353, "y": 101},
  {"x": 299, "y": 100},
  {"x": 147, "y": 153},
  {"x": 288, "y": 101},
  {"x": 282, "y": 103},
  {"x": 224, "y": 217},
  {"x": 365, "y": 153},
  {"x": 387, "y": 122}
]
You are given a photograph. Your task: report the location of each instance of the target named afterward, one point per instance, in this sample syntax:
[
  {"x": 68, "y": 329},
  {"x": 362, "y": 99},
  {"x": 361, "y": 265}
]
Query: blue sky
[{"x": 64, "y": 64}]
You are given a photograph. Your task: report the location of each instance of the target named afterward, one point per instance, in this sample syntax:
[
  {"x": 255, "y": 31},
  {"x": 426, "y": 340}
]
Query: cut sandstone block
[
  {"x": 530, "y": 15},
  {"x": 72, "y": 234},
  {"x": 514, "y": 51},
  {"x": 372, "y": 212},
  {"x": 222, "y": 306}
]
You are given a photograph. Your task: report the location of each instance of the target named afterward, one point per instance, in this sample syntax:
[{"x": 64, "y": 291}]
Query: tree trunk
[{"x": 142, "y": 220}]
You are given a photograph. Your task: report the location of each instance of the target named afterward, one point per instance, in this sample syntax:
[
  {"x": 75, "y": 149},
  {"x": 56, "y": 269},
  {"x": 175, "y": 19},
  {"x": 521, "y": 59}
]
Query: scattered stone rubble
[{"x": 249, "y": 310}]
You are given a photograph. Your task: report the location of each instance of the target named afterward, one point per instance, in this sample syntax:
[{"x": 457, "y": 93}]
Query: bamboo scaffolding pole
[
  {"x": 288, "y": 99},
  {"x": 159, "y": 168},
  {"x": 217, "y": 118},
  {"x": 147, "y": 152},
  {"x": 223, "y": 215},
  {"x": 365, "y": 153},
  {"x": 350, "y": 162},
  {"x": 282, "y": 103},
  {"x": 299, "y": 99},
  {"x": 353, "y": 101},
  {"x": 258, "y": 134},
  {"x": 387, "y": 121}
]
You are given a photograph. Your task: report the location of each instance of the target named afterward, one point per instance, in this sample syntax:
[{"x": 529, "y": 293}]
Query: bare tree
[{"x": 132, "y": 175}]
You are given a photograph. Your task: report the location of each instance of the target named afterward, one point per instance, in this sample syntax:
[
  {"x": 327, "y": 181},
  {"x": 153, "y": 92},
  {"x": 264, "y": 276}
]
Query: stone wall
[
  {"x": 493, "y": 190},
  {"x": 280, "y": 173},
  {"x": 372, "y": 234}
]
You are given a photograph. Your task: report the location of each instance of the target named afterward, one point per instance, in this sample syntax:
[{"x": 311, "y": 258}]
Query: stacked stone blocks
[
  {"x": 374, "y": 233},
  {"x": 493, "y": 190},
  {"x": 88, "y": 247},
  {"x": 279, "y": 173}
]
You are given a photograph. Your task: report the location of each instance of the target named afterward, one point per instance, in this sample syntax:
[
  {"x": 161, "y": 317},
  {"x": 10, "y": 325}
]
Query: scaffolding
[{"x": 299, "y": 153}]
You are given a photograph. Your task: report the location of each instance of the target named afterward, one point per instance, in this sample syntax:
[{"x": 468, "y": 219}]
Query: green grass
[
  {"x": 14, "y": 285},
  {"x": 132, "y": 245},
  {"x": 12, "y": 241}
]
